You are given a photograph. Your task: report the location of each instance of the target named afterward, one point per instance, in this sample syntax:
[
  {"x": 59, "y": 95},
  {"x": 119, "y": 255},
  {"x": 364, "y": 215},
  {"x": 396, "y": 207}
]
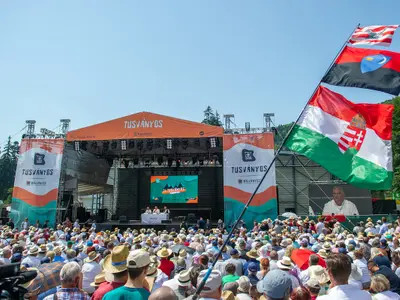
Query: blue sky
[{"x": 92, "y": 61}]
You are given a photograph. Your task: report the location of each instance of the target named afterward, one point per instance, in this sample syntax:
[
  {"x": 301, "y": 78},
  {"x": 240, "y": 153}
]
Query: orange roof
[{"x": 144, "y": 125}]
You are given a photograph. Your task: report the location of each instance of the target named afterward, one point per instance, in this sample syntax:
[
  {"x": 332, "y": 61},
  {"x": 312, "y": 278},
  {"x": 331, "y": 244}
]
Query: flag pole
[{"x": 202, "y": 283}]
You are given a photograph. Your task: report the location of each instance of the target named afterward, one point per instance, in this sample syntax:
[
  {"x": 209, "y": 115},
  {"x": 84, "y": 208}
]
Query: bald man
[{"x": 163, "y": 293}]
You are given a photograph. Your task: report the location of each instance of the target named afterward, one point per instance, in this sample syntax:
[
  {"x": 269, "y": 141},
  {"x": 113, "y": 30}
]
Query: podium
[{"x": 154, "y": 219}]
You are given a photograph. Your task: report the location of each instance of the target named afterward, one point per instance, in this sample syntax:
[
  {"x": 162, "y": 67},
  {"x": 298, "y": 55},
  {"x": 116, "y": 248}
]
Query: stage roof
[{"x": 144, "y": 125}]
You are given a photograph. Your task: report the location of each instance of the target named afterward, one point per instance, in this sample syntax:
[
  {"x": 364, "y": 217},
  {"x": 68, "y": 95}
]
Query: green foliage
[
  {"x": 211, "y": 118},
  {"x": 396, "y": 143},
  {"x": 281, "y": 132},
  {"x": 8, "y": 165}
]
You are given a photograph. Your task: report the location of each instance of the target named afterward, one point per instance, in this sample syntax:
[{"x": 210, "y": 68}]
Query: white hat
[
  {"x": 138, "y": 259},
  {"x": 285, "y": 263},
  {"x": 214, "y": 281},
  {"x": 184, "y": 278}
]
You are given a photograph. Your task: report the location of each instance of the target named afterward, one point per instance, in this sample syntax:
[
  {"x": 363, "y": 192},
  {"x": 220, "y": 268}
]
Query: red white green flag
[{"x": 352, "y": 141}]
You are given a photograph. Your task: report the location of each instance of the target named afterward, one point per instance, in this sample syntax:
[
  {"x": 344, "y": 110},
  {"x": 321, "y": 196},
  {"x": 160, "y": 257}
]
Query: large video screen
[
  {"x": 174, "y": 189},
  {"x": 356, "y": 201}
]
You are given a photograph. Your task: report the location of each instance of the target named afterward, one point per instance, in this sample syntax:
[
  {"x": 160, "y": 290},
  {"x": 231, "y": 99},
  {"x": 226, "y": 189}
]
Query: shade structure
[{"x": 300, "y": 258}]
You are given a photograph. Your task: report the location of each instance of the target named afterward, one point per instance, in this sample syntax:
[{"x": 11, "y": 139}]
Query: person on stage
[
  {"x": 166, "y": 210},
  {"x": 156, "y": 210},
  {"x": 338, "y": 205},
  {"x": 148, "y": 210}
]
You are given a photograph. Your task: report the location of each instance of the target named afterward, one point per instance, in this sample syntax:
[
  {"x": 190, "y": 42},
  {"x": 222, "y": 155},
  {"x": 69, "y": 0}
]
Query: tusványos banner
[
  {"x": 246, "y": 158},
  {"x": 36, "y": 181}
]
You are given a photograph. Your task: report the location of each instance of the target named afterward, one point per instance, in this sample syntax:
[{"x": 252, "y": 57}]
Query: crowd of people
[{"x": 276, "y": 259}]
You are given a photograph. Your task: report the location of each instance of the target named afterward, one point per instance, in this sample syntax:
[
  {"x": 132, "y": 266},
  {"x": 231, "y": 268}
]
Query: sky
[{"x": 92, "y": 61}]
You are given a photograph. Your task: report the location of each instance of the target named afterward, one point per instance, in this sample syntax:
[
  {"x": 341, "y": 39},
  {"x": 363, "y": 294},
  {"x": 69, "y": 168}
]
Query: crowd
[{"x": 291, "y": 259}]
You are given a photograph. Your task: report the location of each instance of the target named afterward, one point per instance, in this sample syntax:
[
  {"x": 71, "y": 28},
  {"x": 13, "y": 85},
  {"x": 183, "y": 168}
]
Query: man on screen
[
  {"x": 338, "y": 205},
  {"x": 156, "y": 210}
]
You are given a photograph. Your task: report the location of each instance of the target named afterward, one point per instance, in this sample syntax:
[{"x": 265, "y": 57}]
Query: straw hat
[
  {"x": 164, "y": 253},
  {"x": 92, "y": 256},
  {"x": 43, "y": 249},
  {"x": 182, "y": 253},
  {"x": 318, "y": 273},
  {"x": 285, "y": 263},
  {"x": 99, "y": 279},
  {"x": 184, "y": 278},
  {"x": 252, "y": 253},
  {"x": 153, "y": 270},
  {"x": 322, "y": 253},
  {"x": 34, "y": 250},
  {"x": 327, "y": 246},
  {"x": 116, "y": 261}
]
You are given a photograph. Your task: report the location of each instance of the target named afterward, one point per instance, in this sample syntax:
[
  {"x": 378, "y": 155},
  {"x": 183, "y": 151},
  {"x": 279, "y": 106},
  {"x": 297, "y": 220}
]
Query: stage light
[
  {"x": 149, "y": 145},
  {"x": 213, "y": 143},
  {"x": 186, "y": 163},
  {"x": 123, "y": 145},
  {"x": 178, "y": 162},
  {"x": 114, "y": 145},
  {"x": 139, "y": 145},
  {"x": 131, "y": 144},
  {"x": 136, "y": 161},
  {"x": 83, "y": 146},
  {"x": 170, "y": 161},
  {"x": 147, "y": 163},
  {"x": 77, "y": 146},
  {"x": 160, "y": 160},
  {"x": 201, "y": 161},
  {"x": 169, "y": 144},
  {"x": 185, "y": 144}
]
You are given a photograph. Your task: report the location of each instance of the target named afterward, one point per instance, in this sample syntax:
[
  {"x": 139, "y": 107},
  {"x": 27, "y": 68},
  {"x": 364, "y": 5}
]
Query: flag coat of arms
[
  {"x": 380, "y": 35},
  {"x": 366, "y": 68},
  {"x": 351, "y": 141}
]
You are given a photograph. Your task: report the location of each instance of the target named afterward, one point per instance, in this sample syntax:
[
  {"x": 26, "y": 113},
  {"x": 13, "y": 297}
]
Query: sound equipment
[
  {"x": 81, "y": 214},
  {"x": 101, "y": 215},
  {"x": 123, "y": 219},
  {"x": 166, "y": 221}
]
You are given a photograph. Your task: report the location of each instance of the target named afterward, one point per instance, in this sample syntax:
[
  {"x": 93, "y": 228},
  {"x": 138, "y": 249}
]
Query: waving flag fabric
[
  {"x": 352, "y": 141},
  {"x": 366, "y": 68},
  {"x": 374, "y": 35}
]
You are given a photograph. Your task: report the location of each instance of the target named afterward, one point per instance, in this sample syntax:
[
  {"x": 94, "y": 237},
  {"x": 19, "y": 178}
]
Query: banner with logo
[
  {"x": 36, "y": 181},
  {"x": 246, "y": 158}
]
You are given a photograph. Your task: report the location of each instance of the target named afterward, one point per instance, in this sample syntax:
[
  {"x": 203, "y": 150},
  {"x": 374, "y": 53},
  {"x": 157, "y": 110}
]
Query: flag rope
[{"x": 203, "y": 282}]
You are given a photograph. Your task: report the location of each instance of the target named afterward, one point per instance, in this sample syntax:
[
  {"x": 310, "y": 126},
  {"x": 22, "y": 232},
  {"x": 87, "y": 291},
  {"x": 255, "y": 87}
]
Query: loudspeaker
[
  {"x": 123, "y": 219},
  {"x": 81, "y": 214},
  {"x": 166, "y": 221},
  {"x": 101, "y": 215}
]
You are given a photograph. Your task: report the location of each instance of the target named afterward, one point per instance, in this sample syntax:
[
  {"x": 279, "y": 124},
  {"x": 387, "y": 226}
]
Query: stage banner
[
  {"x": 36, "y": 181},
  {"x": 246, "y": 158}
]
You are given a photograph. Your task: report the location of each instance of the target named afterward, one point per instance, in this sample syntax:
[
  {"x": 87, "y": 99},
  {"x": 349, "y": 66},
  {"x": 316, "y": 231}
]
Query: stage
[{"x": 136, "y": 224}]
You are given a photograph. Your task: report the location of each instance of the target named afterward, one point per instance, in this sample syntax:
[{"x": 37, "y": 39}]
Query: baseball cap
[
  {"x": 252, "y": 267},
  {"x": 276, "y": 284},
  {"x": 214, "y": 281},
  {"x": 138, "y": 259},
  {"x": 234, "y": 252}
]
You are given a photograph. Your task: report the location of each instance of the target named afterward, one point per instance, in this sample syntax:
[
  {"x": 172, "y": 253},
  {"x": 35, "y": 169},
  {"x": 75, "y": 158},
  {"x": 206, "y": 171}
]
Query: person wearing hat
[
  {"x": 32, "y": 260},
  {"x": 285, "y": 264},
  {"x": 138, "y": 262},
  {"x": 243, "y": 289},
  {"x": 183, "y": 285},
  {"x": 213, "y": 285},
  {"x": 275, "y": 285},
  {"x": 252, "y": 273},
  {"x": 99, "y": 279},
  {"x": 90, "y": 269},
  {"x": 235, "y": 260},
  {"x": 252, "y": 255},
  {"x": 155, "y": 277},
  {"x": 166, "y": 265},
  {"x": 115, "y": 270}
]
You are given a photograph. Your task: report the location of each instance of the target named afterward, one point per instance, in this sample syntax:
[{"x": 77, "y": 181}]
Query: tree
[
  {"x": 210, "y": 118},
  {"x": 8, "y": 165}
]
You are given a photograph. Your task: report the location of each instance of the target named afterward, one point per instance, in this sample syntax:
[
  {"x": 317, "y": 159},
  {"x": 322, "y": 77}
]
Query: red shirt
[
  {"x": 166, "y": 266},
  {"x": 104, "y": 288}
]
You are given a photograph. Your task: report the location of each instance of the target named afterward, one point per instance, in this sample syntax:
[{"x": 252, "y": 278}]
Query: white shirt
[
  {"x": 156, "y": 211},
  {"x": 89, "y": 272},
  {"x": 345, "y": 292},
  {"x": 347, "y": 208},
  {"x": 148, "y": 211},
  {"x": 319, "y": 227},
  {"x": 32, "y": 261},
  {"x": 362, "y": 265},
  {"x": 387, "y": 295}
]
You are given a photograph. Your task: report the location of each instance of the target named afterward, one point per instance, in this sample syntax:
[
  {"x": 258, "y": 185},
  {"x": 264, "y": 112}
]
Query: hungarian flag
[
  {"x": 373, "y": 35},
  {"x": 366, "y": 68},
  {"x": 351, "y": 141}
]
